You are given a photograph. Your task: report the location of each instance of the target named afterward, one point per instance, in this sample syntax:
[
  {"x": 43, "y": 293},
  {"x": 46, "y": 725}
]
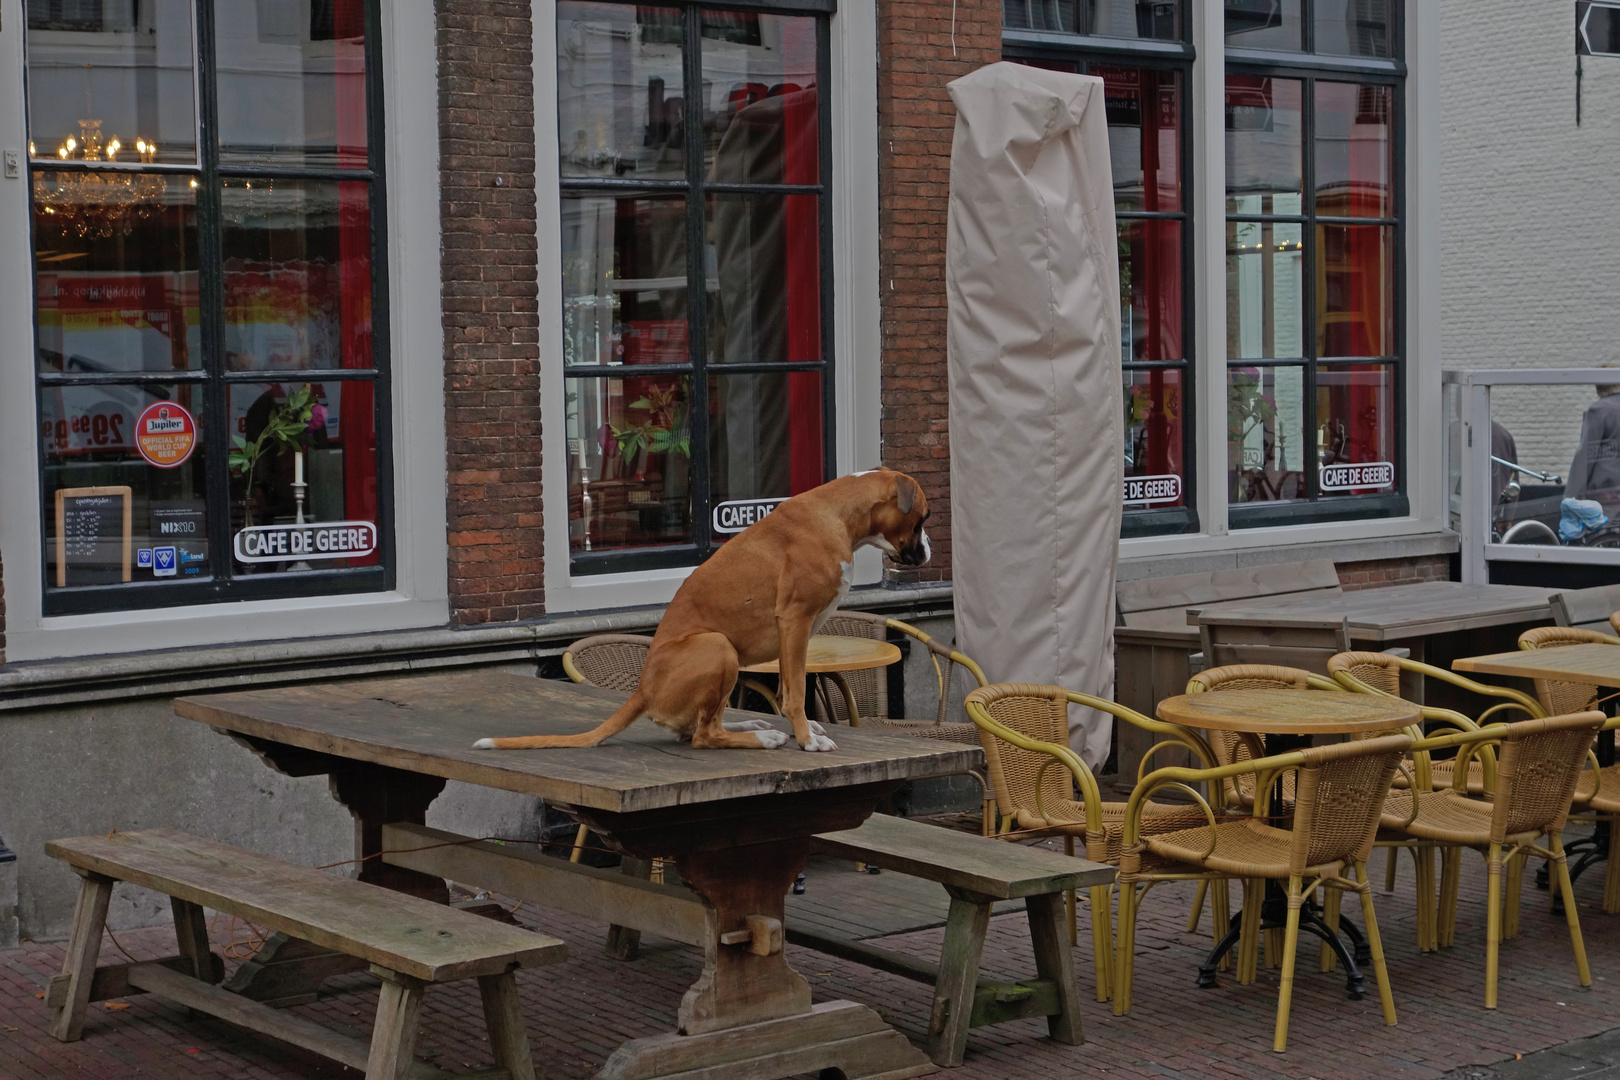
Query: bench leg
[
  {"x": 191, "y": 931},
  {"x": 393, "y": 1039},
  {"x": 504, "y": 1017},
  {"x": 1054, "y": 960},
  {"x": 84, "y": 945},
  {"x": 958, "y": 977}
]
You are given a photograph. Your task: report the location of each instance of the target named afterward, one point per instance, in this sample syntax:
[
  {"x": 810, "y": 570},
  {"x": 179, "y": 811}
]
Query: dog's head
[{"x": 897, "y": 520}]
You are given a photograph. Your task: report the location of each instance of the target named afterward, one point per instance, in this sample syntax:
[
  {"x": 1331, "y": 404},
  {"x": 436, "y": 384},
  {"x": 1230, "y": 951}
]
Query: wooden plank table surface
[
  {"x": 1402, "y": 611},
  {"x": 1593, "y": 663},
  {"x": 1289, "y": 712},
  {"x": 736, "y": 822}
]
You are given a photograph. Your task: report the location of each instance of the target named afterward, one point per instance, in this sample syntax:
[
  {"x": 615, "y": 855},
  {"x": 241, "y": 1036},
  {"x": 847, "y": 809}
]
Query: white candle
[{"x": 298, "y": 466}]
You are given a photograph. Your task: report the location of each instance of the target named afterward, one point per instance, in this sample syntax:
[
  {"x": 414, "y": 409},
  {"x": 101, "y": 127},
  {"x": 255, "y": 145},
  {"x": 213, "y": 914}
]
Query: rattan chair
[
  {"x": 864, "y": 698},
  {"x": 1614, "y": 621},
  {"x": 1537, "y": 766},
  {"x": 1340, "y": 792},
  {"x": 1557, "y": 696},
  {"x": 1024, "y": 729},
  {"x": 613, "y": 662},
  {"x": 1231, "y": 747}
]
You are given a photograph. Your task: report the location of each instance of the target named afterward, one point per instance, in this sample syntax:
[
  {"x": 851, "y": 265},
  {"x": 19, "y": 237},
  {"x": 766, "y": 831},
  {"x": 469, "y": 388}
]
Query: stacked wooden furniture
[
  {"x": 1587, "y": 609},
  {"x": 409, "y": 943},
  {"x": 1154, "y": 643}
]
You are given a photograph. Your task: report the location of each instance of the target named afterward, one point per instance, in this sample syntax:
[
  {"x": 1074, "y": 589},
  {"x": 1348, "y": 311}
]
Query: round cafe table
[
  {"x": 828, "y": 656},
  {"x": 1287, "y": 720}
]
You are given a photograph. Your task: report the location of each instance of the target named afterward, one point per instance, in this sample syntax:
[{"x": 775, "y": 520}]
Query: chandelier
[{"x": 99, "y": 202}]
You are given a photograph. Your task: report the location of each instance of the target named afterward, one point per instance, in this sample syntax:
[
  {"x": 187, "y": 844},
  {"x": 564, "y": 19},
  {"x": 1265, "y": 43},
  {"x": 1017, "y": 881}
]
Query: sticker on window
[
  {"x": 1367, "y": 474},
  {"x": 734, "y": 517},
  {"x": 1152, "y": 490},
  {"x": 292, "y": 543}
]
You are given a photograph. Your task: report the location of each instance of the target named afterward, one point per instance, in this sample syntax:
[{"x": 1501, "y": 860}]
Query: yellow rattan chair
[
  {"x": 1042, "y": 788},
  {"x": 1557, "y": 696},
  {"x": 1538, "y": 764},
  {"x": 1339, "y": 795},
  {"x": 1614, "y": 621},
  {"x": 1231, "y": 747}
]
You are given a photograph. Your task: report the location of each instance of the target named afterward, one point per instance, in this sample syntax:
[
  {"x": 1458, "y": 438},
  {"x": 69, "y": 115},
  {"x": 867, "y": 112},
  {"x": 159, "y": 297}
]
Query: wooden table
[
  {"x": 831, "y": 654},
  {"x": 1437, "y": 621},
  {"x": 1286, "y": 718},
  {"x": 1594, "y": 663},
  {"x": 737, "y": 823}
]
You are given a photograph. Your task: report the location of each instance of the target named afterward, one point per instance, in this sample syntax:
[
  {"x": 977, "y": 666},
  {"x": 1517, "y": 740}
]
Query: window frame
[
  {"x": 694, "y": 187},
  {"x": 1309, "y": 68},
  {"x": 224, "y": 584},
  {"x": 1087, "y": 52}
]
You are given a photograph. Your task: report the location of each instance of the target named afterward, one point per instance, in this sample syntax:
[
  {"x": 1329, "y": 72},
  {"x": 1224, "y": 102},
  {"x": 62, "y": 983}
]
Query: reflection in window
[
  {"x": 1152, "y": 19},
  {"x": 1265, "y": 442},
  {"x": 1355, "y": 302},
  {"x": 1355, "y": 411},
  {"x": 1264, "y": 145},
  {"x": 764, "y": 301},
  {"x": 1154, "y": 430},
  {"x": 1264, "y": 289},
  {"x": 1264, "y": 24},
  {"x": 1352, "y": 27},
  {"x": 1150, "y": 285},
  {"x": 1144, "y": 136},
  {"x": 624, "y": 280},
  {"x": 1354, "y": 151},
  {"x": 629, "y": 461}
]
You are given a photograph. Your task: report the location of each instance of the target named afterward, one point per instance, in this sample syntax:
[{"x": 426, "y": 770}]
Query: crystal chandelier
[{"x": 98, "y": 202}]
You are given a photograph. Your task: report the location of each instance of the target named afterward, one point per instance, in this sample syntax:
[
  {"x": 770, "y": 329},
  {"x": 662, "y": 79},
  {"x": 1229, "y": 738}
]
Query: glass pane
[
  {"x": 1353, "y": 150},
  {"x": 1265, "y": 299},
  {"x": 1153, "y": 439},
  {"x": 1150, "y": 286},
  {"x": 1265, "y": 435},
  {"x": 765, "y": 288},
  {"x": 629, "y": 462},
  {"x": 1144, "y": 136},
  {"x": 297, "y": 274},
  {"x": 1264, "y": 143},
  {"x": 1156, "y": 19},
  {"x": 91, "y": 442},
  {"x": 115, "y": 257},
  {"x": 624, "y": 280},
  {"x": 1355, "y": 434},
  {"x": 760, "y": 119},
  {"x": 323, "y": 435},
  {"x": 620, "y": 103},
  {"x": 111, "y": 81},
  {"x": 1355, "y": 300},
  {"x": 292, "y": 83},
  {"x": 1352, "y": 27},
  {"x": 765, "y": 436},
  {"x": 1264, "y": 24}
]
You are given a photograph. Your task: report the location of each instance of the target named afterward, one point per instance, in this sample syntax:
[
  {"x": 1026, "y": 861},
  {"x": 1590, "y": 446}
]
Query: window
[
  {"x": 1314, "y": 250},
  {"x": 1145, "y": 96},
  {"x": 210, "y": 300},
  {"x": 695, "y": 261}
]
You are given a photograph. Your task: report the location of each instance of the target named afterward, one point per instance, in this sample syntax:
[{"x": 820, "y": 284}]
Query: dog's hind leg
[{"x": 718, "y": 657}]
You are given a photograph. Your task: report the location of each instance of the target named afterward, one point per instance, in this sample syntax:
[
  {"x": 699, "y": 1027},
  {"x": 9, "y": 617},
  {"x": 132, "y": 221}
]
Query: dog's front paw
[
  {"x": 746, "y": 725},
  {"x": 818, "y": 742},
  {"x": 816, "y": 729},
  {"x": 770, "y": 738}
]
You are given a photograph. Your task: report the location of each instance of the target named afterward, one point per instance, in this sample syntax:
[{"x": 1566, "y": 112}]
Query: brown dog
[{"x": 760, "y": 597}]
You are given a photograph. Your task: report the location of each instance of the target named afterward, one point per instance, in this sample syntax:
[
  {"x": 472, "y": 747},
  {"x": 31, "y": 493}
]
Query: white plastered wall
[{"x": 420, "y": 597}]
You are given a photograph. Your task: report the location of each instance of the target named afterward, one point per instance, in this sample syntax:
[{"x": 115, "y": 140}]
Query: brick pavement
[{"x": 580, "y": 1010}]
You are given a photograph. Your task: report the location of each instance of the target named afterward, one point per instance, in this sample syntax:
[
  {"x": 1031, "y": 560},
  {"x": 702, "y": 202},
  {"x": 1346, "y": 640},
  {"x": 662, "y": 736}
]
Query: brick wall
[
  {"x": 492, "y": 358},
  {"x": 1381, "y": 572},
  {"x": 915, "y": 124}
]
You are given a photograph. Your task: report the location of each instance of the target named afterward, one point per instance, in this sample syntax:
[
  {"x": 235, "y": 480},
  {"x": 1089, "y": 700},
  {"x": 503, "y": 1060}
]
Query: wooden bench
[
  {"x": 1586, "y": 609},
  {"x": 976, "y": 872},
  {"x": 409, "y": 942},
  {"x": 1154, "y": 644}
]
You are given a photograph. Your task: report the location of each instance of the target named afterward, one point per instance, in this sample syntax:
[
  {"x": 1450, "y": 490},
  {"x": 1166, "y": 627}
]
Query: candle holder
[{"x": 299, "y": 487}]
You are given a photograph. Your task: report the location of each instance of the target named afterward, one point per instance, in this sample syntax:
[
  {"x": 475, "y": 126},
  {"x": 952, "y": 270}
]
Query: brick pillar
[
  {"x": 491, "y": 342},
  {"x": 915, "y": 125}
]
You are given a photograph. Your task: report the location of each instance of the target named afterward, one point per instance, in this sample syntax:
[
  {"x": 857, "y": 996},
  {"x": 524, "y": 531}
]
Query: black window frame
[
  {"x": 695, "y": 187},
  {"x": 1308, "y": 68},
  {"x": 1085, "y": 52},
  {"x": 224, "y": 583}
]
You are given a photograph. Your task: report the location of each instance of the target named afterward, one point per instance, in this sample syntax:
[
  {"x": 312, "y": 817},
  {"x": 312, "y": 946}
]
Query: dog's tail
[{"x": 628, "y": 714}]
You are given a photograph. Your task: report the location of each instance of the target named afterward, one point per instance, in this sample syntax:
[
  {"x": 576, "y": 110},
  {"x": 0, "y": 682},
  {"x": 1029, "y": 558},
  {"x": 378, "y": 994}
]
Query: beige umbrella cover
[{"x": 1032, "y": 278}]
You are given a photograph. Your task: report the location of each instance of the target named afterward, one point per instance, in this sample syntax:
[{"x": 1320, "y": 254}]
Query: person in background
[{"x": 1595, "y": 471}]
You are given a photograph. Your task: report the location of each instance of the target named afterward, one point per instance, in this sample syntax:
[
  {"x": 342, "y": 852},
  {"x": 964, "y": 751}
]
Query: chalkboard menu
[{"x": 93, "y": 535}]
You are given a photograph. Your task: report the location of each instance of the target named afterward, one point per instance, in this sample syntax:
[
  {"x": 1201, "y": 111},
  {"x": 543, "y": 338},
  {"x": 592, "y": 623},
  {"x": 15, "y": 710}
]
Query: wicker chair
[
  {"x": 1339, "y": 795},
  {"x": 1024, "y": 729},
  {"x": 1538, "y": 764},
  {"x": 1232, "y": 746},
  {"x": 1557, "y": 696},
  {"x": 611, "y": 661},
  {"x": 1614, "y": 622}
]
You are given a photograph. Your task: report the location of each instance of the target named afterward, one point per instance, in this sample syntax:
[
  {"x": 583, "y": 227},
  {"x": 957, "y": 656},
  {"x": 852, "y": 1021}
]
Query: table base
[
  {"x": 836, "y": 1038},
  {"x": 1274, "y": 916}
]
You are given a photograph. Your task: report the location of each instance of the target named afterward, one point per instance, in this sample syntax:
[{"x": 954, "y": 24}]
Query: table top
[
  {"x": 1400, "y": 611},
  {"x": 1595, "y": 663},
  {"x": 428, "y": 725},
  {"x": 834, "y": 652},
  {"x": 1289, "y": 712}
]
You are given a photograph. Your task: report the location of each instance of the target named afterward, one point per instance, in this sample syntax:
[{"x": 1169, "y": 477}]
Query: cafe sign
[
  {"x": 1149, "y": 490},
  {"x": 1367, "y": 474},
  {"x": 734, "y": 517},
  {"x": 292, "y": 543}
]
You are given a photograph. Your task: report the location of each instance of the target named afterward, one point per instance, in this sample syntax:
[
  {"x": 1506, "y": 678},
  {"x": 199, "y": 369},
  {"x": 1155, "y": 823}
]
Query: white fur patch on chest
[{"x": 848, "y": 569}]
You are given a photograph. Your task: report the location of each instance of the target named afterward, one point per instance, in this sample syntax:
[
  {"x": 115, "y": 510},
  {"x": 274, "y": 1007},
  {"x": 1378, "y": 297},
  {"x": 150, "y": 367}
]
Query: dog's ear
[{"x": 906, "y": 493}]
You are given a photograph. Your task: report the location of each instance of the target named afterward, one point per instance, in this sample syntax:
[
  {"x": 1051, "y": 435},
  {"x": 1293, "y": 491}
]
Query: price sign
[{"x": 93, "y": 531}]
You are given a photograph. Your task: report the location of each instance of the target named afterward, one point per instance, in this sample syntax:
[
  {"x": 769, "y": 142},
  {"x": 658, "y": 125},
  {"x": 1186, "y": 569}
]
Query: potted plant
[{"x": 287, "y": 426}]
